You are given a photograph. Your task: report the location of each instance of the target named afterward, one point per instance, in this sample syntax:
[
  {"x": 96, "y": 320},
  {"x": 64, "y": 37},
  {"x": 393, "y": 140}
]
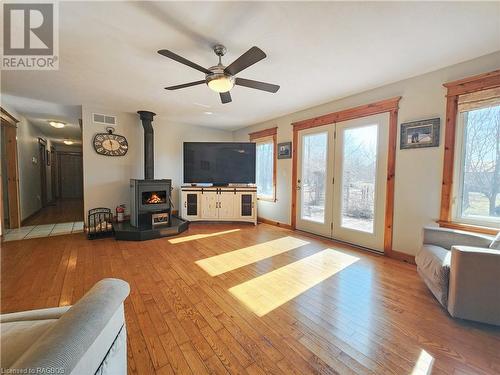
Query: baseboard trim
[
  {"x": 398, "y": 255},
  {"x": 275, "y": 223}
]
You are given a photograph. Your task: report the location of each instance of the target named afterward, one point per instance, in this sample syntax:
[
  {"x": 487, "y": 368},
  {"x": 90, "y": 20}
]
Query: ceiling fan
[{"x": 221, "y": 78}]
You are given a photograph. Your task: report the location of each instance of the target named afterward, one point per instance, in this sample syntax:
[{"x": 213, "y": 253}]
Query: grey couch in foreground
[
  {"x": 462, "y": 272},
  {"x": 86, "y": 338}
]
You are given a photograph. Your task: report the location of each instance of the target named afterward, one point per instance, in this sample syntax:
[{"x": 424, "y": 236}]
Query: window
[
  {"x": 470, "y": 195},
  {"x": 477, "y": 191},
  {"x": 265, "y": 163}
]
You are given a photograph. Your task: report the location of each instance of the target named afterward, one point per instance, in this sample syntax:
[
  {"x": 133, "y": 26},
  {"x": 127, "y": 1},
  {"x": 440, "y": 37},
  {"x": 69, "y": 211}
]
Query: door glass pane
[
  {"x": 313, "y": 183},
  {"x": 359, "y": 169},
  {"x": 480, "y": 180},
  {"x": 264, "y": 163}
]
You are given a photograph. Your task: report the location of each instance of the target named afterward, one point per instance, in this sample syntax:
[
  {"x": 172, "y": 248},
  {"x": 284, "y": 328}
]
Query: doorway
[
  {"x": 341, "y": 180},
  {"x": 42, "y": 158},
  {"x": 70, "y": 170}
]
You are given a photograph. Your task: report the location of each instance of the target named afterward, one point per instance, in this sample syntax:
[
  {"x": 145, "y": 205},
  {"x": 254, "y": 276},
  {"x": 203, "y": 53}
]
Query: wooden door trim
[
  {"x": 381, "y": 106},
  {"x": 10, "y": 122},
  {"x": 454, "y": 90},
  {"x": 7, "y": 118},
  {"x": 391, "y": 106}
]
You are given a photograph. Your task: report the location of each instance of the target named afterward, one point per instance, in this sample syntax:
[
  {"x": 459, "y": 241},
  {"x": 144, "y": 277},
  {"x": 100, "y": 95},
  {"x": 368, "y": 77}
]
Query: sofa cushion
[
  {"x": 18, "y": 336},
  {"x": 433, "y": 265}
]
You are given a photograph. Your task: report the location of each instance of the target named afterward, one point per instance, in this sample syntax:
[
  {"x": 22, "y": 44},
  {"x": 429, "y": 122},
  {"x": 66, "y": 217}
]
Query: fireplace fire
[{"x": 154, "y": 197}]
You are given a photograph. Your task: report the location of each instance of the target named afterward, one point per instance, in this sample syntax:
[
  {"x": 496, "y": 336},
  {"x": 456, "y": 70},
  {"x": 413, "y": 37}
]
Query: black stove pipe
[{"x": 149, "y": 162}]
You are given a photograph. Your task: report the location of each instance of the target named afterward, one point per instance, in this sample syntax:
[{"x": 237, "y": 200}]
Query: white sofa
[
  {"x": 86, "y": 338},
  {"x": 462, "y": 272}
]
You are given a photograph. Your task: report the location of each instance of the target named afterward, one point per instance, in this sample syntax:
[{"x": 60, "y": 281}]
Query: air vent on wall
[{"x": 103, "y": 119}]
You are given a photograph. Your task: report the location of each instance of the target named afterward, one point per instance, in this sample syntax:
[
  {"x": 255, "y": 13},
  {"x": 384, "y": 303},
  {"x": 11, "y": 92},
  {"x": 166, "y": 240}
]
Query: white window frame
[
  {"x": 484, "y": 221},
  {"x": 269, "y": 139}
]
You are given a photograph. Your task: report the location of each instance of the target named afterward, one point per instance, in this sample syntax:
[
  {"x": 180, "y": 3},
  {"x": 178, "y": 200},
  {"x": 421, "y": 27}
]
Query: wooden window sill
[{"x": 468, "y": 227}]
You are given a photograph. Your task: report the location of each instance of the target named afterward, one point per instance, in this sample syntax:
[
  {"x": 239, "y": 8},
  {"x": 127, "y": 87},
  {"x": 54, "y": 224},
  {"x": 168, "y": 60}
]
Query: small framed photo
[
  {"x": 418, "y": 134},
  {"x": 285, "y": 150}
]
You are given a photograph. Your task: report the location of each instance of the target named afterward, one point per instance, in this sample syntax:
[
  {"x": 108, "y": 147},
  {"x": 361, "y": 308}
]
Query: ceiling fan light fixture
[
  {"x": 57, "y": 124},
  {"x": 220, "y": 83}
]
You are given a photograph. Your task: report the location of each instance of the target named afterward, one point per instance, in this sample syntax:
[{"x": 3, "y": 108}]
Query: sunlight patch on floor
[
  {"x": 271, "y": 290},
  {"x": 200, "y": 236},
  {"x": 424, "y": 364},
  {"x": 219, "y": 264}
]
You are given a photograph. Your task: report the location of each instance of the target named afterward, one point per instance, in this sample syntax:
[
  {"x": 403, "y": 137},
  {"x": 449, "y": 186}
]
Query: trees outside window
[
  {"x": 265, "y": 169},
  {"x": 479, "y": 172}
]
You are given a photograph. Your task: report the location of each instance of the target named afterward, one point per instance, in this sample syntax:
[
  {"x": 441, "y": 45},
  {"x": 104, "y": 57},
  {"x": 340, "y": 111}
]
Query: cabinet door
[
  {"x": 227, "y": 205},
  {"x": 190, "y": 205},
  {"x": 209, "y": 205},
  {"x": 246, "y": 203}
]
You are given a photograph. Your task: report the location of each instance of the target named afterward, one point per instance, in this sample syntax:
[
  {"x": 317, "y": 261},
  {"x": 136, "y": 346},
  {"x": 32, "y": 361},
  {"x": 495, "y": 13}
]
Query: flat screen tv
[{"x": 219, "y": 163}]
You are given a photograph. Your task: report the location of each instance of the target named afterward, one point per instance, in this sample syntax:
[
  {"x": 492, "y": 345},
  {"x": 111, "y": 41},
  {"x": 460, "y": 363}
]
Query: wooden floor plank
[{"x": 371, "y": 316}]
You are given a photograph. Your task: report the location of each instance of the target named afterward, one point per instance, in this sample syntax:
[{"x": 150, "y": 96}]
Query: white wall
[
  {"x": 106, "y": 179},
  {"x": 29, "y": 171},
  {"x": 418, "y": 171}
]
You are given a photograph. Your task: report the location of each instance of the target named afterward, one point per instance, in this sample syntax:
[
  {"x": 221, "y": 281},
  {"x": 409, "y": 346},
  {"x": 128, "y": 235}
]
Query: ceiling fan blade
[
  {"x": 269, "y": 87},
  {"x": 182, "y": 60},
  {"x": 177, "y": 87},
  {"x": 249, "y": 58},
  {"x": 225, "y": 97}
]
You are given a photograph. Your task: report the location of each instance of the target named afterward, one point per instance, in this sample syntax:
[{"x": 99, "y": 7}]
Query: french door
[
  {"x": 315, "y": 176},
  {"x": 342, "y": 173}
]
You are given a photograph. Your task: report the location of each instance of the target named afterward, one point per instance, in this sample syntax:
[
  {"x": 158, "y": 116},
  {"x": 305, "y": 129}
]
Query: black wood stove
[{"x": 150, "y": 198}]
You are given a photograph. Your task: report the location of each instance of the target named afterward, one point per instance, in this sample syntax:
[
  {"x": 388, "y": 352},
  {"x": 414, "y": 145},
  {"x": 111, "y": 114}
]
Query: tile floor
[{"x": 45, "y": 230}]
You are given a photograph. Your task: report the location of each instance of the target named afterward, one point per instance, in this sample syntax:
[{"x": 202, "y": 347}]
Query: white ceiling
[
  {"x": 39, "y": 113},
  {"x": 316, "y": 51}
]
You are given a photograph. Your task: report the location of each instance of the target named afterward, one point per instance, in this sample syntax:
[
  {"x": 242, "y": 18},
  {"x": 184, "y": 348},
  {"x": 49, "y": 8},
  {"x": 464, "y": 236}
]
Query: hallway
[{"x": 63, "y": 211}]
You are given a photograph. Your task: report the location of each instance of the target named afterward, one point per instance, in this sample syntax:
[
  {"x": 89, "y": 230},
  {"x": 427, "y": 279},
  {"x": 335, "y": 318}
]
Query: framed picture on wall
[
  {"x": 418, "y": 134},
  {"x": 285, "y": 150}
]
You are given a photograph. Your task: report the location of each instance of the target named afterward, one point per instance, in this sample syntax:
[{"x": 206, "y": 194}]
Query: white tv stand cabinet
[{"x": 219, "y": 203}]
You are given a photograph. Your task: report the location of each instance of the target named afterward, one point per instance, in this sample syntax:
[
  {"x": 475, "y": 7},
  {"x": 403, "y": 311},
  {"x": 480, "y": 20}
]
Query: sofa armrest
[
  {"x": 474, "y": 288},
  {"x": 446, "y": 238},
  {"x": 40, "y": 314},
  {"x": 80, "y": 339}
]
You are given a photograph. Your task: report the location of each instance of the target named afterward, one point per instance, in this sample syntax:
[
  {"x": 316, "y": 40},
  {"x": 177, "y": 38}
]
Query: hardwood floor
[
  {"x": 63, "y": 211},
  {"x": 194, "y": 311}
]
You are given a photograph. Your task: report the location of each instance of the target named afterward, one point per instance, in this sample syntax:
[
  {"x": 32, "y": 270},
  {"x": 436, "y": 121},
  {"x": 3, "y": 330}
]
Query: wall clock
[{"x": 109, "y": 144}]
